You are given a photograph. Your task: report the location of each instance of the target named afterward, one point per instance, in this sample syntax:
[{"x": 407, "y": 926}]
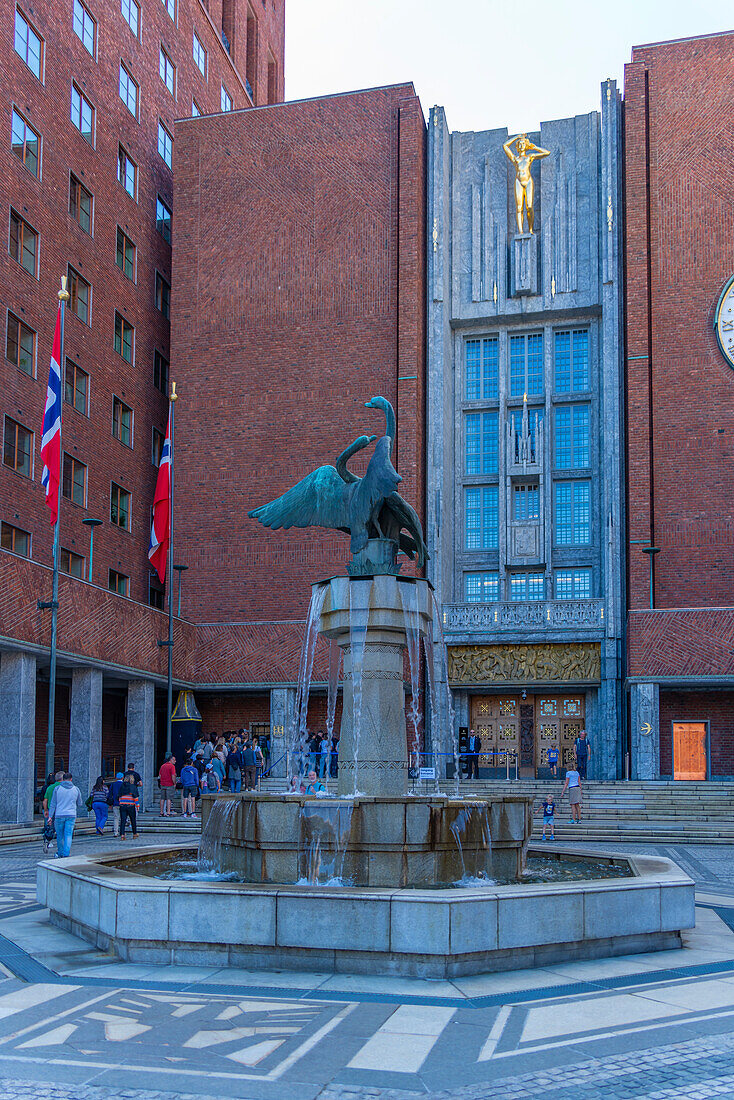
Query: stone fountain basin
[{"x": 418, "y": 933}]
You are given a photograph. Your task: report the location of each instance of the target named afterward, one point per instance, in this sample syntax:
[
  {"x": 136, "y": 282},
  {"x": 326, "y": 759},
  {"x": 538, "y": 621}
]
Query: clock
[{"x": 724, "y": 322}]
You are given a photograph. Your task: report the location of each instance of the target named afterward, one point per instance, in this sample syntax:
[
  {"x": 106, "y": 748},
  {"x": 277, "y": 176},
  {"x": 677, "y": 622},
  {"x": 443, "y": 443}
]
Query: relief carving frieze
[{"x": 484, "y": 664}]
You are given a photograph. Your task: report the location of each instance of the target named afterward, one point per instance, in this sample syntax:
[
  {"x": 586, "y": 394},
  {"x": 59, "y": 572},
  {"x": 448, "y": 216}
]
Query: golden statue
[{"x": 523, "y": 159}]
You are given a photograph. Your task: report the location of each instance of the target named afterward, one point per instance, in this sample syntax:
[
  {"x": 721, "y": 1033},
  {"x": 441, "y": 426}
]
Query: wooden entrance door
[
  {"x": 484, "y": 724},
  {"x": 689, "y": 750}
]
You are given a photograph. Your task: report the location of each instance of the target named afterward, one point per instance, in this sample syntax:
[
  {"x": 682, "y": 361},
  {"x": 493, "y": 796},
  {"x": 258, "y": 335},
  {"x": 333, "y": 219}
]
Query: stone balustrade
[{"x": 536, "y": 615}]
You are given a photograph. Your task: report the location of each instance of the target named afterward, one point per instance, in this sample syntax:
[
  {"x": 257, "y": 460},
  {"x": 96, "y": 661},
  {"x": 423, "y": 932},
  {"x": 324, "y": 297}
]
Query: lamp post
[
  {"x": 91, "y": 524},
  {"x": 180, "y": 569},
  {"x": 651, "y": 551}
]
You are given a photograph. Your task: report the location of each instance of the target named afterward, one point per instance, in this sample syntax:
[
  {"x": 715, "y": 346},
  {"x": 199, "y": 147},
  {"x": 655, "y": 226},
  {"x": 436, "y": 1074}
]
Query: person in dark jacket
[
  {"x": 113, "y": 800},
  {"x": 251, "y": 762},
  {"x": 235, "y": 764},
  {"x": 129, "y": 799},
  {"x": 101, "y": 810}
]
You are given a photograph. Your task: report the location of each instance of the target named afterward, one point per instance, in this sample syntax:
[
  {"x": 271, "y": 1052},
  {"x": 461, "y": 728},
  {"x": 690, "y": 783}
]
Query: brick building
[
  {"x": 679, "y": 119},
  {"x": 89, "y": 93}
]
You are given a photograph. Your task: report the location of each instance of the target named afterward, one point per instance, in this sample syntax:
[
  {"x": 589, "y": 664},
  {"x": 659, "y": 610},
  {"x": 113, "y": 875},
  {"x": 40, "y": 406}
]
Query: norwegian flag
[
  {"x": 160, "y": 532},
  {"x": 51, "y": 432}
]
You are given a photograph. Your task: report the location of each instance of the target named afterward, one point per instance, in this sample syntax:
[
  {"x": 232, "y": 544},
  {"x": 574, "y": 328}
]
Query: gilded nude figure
[{"x": 523, "y": 158}]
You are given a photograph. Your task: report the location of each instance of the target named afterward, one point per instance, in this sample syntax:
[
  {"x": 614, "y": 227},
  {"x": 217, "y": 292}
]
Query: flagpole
[
  {"x": 50, "y": 747},
  {"x": 169, "y": 570}
]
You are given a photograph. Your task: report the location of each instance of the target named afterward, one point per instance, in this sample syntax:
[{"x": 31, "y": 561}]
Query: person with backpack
[
  {"x": 113, "y": 801},
  {"x": 210, "y": 781},
  {"x": 98, "y": 799},
  {"x": 235, "y": 764},
  {"x": 189, "y": 785},
  {"x": 583, "y": 753},
  {"x": 66, "y": 802},
  {"x": 129, "y": 799}
]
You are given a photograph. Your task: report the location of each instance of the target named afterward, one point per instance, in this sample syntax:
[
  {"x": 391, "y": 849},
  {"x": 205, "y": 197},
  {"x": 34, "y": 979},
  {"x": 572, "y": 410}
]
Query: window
[
  {"x": 162, "y": 295},
  {"x": 82, "y": 114},
  {"x": 196, "y": 111},
  {"x": 157, "y": 448},
  {"x": 122, "y": 422},
  {"x": 534, "y": 417},
  {"x": 71, "y": 563},
  {"x": 481, "y": 587},
  {"x": 84, "y": 26},
  {"x": 127, "y": 172},
  {"x": 119, "y": 583},
  {"x": 272, "y": 80},
  {"x": 165, "y": 144},
  {"x": 25, "y": 143},
  {"x": 23, "y": 244},
  {"x": 571, "y": 361},
  {"x": 125, "y": 255},
  {"x": 572, "y": 437},
  {"x": 170, "y": 6},
  {"x": 15, "y": 540},
  {"x": 573, "y": 584},
  {"x": 527, "y": 586},
  {"x": 199, "y": 55},
  {"x": 74, "y": 480},
  {"x": 18, "y": 448},
  {"x": 80, "y": 204},
  {"x": 20, "y": 345},
  {"x": 573, "y": 513},
  {"x": 124, "y": 338},
  {"x": 225, "y": 99},
  {"x": 525, "y": 503},
  {"x": 129, "y": 91},
  {"x": 76, "y": 386},
  {"x": 482, "y": 517},
  {"x": 160, "y": 373},
  {"x": 167, "y": 71},
  {"x": 526, "y": 364},
  {"x": 481, "y": 443},
  {"x": 28, "y": 44},
  {"x": 131, "y": 14},
  {"x": 120, "y": 507},
  {"x": 163, "y": 219},
  {"x": 155, "y": 593},
  {"x": 482, "y": 373},
  {"x": 80, "y": 296}
]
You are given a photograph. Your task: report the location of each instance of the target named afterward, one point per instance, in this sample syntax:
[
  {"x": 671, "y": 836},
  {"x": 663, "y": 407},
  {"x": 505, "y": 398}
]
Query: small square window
[
  {"x": 15, "y": 540},
  {"x": 122, "y": 422},
  {"x": 124, "y": 338},
  {"x": 120, "y": 507},
  {"x": 18, "y": 448},
  {"x": 163, "y": 219},
  {"x": 157, "y": 447},
  {"x": 160, "y": 373},
  {"x": 82, "y": 114},
  {"x": 23, "y": 243},
  {"x": 71, "y": 563},
  {"x": 80, "y": 204},
  {"x": 167, "y": 71},
  {"x": 80, "y": 300},
  {"x": 28, "y": 44},
  {"x": 225, "y": 99},
  {"x": 84, "y": 26},
  {"x": 74, "y": 480},
  {"x": 127, "y": 172},
  {"x": 76, "y": 386},
  {"x": 20, "y": 345},
  {"x": 162, "y": 295},
  {"x": 26, "y": 144},
  {"x": 482, "y": 587},
  {"x": 156, "y": 593},
  {"x": 119, "y": 583},
  {"x": 199, "y": 55},
  {"x": 131, "y": 14},
  {"x": 129, "y": 91},
  {"x": 165, "y": 145},
  {"x": 125, "y": 255}
]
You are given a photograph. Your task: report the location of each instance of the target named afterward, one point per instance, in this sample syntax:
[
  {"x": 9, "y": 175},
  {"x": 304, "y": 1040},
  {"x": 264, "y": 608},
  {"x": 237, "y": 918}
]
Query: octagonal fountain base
[{"x": 419, "y": 933}]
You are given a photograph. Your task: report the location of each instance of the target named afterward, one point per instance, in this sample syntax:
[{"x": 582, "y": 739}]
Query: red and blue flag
[
  {"x": 160, "y": 532},
  {"x": 51, "y": 432}
]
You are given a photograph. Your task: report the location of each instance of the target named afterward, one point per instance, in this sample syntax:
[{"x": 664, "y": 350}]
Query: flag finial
[
  {"x": 64, "y": 293},
  {"x": 174, "y": 395}
]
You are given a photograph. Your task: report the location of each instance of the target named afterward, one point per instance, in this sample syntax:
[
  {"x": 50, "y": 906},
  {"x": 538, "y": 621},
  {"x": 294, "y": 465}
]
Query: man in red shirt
[{"x": 167, "y": 780}]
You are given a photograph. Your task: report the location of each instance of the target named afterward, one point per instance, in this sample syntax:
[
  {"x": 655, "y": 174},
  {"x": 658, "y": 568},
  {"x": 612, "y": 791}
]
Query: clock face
[{"x": 724, "y": 322}]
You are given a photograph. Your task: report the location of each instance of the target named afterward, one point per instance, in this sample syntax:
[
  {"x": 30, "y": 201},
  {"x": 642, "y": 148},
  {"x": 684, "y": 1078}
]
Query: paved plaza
[{"x": 77, "y": 1025}]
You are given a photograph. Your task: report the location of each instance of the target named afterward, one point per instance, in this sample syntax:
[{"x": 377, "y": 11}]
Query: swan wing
[{"x": 319, "y": 500}]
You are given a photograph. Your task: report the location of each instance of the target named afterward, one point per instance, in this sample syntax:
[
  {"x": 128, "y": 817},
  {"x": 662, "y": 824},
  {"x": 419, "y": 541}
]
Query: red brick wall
[
  {"x": 681, "y": 643},
  {"x": 231, "y": 712},
  {"x": 715, "y": 707},
  {"x": 680, "y": 391},
  {"x": 44, "y": 203},
  {"x": 298, "y": 294}
]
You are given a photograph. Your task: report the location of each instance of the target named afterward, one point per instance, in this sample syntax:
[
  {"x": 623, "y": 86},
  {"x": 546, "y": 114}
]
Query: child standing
[
  {"x": 548, "y": 806},
  {"x": 553, "y": 760}
]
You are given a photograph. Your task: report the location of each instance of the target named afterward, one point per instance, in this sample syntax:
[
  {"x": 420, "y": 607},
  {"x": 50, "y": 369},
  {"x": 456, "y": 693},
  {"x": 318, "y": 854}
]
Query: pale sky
[{"x": 490, "y": 63}]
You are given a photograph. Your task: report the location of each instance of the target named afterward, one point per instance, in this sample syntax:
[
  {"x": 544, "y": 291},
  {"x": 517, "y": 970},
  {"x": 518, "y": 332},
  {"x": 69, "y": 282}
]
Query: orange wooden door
[{"x": 689, "y": 750}]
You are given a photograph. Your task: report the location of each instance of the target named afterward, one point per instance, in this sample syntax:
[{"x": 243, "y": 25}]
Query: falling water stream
[
  {"x": 359, "y": 611},
  {"x": 470, "y": 830},
  {"x": 300, "y": 717},
  {"x": 449, "y": 697},
  {"x": 335, "y": 655},
  {"x": 217, "y": 833},
  {"x": 409, "y": 600},
  {"x": 323, "y": 839}
]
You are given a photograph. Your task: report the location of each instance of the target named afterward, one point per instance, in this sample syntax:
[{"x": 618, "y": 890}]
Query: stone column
[
  {"x": 85, "y": 728},
  {"x": 17, "y": 736},
  {"x": 645, "y": 730},
  {"x": 282, "y": 711},
  {"x": 140, "y": 744}
]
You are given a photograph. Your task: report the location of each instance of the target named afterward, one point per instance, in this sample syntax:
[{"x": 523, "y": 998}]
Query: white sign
[{"x": 427, "y": 773}]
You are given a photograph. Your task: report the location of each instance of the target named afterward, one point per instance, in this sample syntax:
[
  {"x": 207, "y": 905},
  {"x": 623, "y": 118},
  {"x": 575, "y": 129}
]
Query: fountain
[{"x": 373, "y": 878}]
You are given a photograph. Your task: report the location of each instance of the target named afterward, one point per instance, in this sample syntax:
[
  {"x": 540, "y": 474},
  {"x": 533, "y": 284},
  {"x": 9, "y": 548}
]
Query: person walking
[
  {"x": 548, "y": 806},
  {"x": 250, "y": 758},
  {"x": 113, "y": 800},
  {"x": 189, "y": 786},
  {"x": 235, "y": 764},
  {"x": 167, "y": 780},
  {"x": 582, "y": 746},
  {"x": 100, "y": 794},
  {"x": 573, "y": 786},
  {"x": 553, "y": 759},
  {"x": 66, "y": 802},
  {"x": 129, "y": 799}
]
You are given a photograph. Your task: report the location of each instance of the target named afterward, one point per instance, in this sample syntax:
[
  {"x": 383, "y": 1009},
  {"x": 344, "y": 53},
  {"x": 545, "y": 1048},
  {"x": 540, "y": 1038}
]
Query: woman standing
[{"x": 100, "y": 792}]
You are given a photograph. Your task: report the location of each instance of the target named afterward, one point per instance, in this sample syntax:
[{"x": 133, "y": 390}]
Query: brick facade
[{"x": 716, "y": 708}]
